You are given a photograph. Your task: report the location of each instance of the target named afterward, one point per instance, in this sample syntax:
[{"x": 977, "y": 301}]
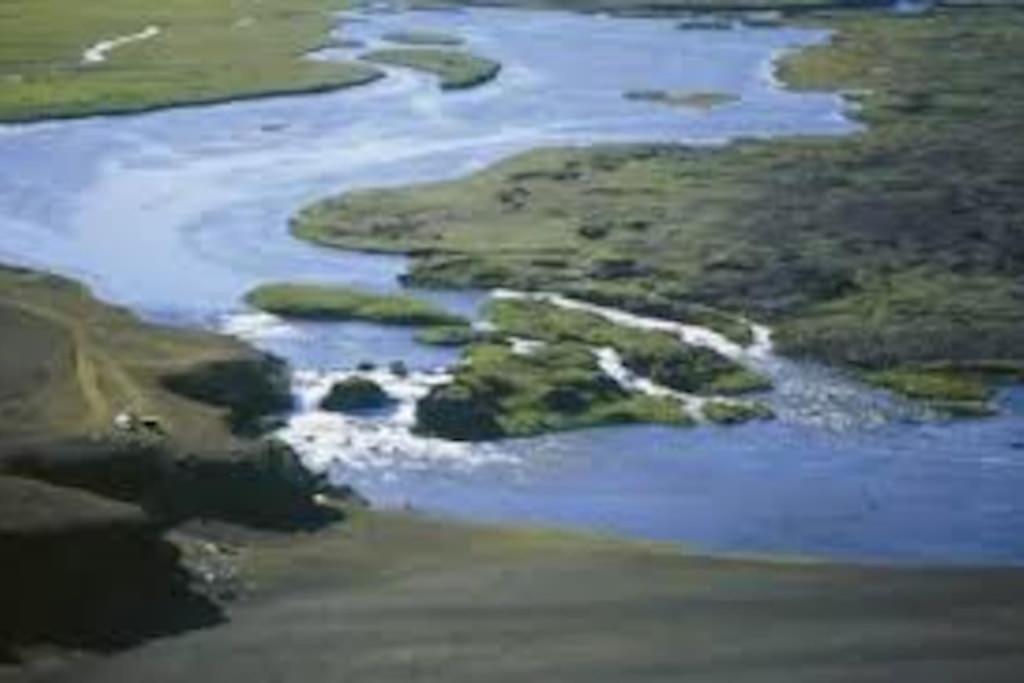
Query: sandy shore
[{"x": 390, "y": 597}]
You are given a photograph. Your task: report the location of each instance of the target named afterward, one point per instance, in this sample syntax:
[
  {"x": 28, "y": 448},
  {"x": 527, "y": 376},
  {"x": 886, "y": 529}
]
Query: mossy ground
[
  {"x": 449, "y": 335},
  {"x": 325, "y": 302},
  {"x": 456, "y": 69},
  {"x": 207, "y": 50},
  {"x": 896, "y": 246},
  {"x": 660, "y": 356},
  {"x": 499, "y": 393}
]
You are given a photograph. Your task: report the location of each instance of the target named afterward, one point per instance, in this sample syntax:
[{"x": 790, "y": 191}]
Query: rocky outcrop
[{"x": 251, "y": 389}]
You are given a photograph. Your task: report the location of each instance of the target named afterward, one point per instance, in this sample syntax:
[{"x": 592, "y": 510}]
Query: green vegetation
[
  {"x": 456, "y": 70},
  {"x": 206, "y": 51},
  {"x": 702, "y": 101},
  {"x": 449, "y": 335},
  {"x": 660, "y": 356},
  {"x": 423, "y": 38},
  {"x": 897, "y": 246},
  {"x": 324, "y": 302},
  {"x": 354, "y": 394},
  {"x": 955, "y": 391},
  {"x": 498, "y": 393},
  {"x": 735, "y": 412}
]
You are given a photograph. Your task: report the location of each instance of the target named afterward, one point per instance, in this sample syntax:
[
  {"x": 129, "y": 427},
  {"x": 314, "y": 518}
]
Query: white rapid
[
  {"x": 379, "y": 439},
  {"x": 611, "y": 364},
  {"x": 97, "y": 54}
]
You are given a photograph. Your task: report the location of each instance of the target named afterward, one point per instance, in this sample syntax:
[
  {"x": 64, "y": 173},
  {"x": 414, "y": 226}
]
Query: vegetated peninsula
[
  {"x": 457, "y": 70},
  {"x": 199, "y": 52},
  {"x": 899, "y": 248}
]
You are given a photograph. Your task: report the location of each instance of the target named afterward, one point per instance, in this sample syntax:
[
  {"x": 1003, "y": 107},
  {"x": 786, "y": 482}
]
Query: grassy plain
[
  {"x": 206, "y": 51},
  {"x": 893, "y": 247}
]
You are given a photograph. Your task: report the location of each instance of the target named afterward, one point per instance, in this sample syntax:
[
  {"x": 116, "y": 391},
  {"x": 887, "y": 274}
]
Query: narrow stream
[{"x": 177, "y": 214}]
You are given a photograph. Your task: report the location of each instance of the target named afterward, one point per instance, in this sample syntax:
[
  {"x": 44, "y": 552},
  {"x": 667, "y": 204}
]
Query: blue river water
[{"x": 177, "y": 214}]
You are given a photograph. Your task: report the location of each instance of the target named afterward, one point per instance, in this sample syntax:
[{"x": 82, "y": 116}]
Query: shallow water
[{"x": 178, "y": 213}]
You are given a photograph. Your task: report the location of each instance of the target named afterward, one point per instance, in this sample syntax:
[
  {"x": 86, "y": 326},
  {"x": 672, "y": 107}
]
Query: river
[{"x": 177, "y": 214}]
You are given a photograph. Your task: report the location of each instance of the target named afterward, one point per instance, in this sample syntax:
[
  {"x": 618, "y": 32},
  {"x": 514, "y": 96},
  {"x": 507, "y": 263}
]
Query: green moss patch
[
  {"x": 498, "y": 393},
  {"x": 735, "y": 412},
  {"x": 323, "y": 302},
  {"x": 449, "y": 335},
  {"x": 660, "y": 356}
]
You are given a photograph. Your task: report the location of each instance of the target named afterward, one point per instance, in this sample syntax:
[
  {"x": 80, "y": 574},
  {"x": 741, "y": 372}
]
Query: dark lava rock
[
  {"x": 454, "y": 412},
  {"x": 355, "y": 394}
]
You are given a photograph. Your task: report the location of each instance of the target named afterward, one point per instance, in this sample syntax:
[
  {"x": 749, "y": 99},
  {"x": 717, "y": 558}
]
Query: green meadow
[{"x": 206, "y": 51}]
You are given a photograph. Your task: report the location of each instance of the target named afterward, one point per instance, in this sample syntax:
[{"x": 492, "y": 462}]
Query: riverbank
[
  {"x": 894, "y": 248},
  {"x": 193, "y": 53},
  {"x": 394, "y": 597},
  {"x": 76, "y": 369},
  {"x": 111, "y": 432}
]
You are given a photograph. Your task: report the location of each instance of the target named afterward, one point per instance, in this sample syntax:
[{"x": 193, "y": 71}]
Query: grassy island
[
  {"x": 325, "y": 302},
  {"x": 894, "y": 247},
  {"x": 200, "y": 52},
  {"x": 456, "y": 70}
]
